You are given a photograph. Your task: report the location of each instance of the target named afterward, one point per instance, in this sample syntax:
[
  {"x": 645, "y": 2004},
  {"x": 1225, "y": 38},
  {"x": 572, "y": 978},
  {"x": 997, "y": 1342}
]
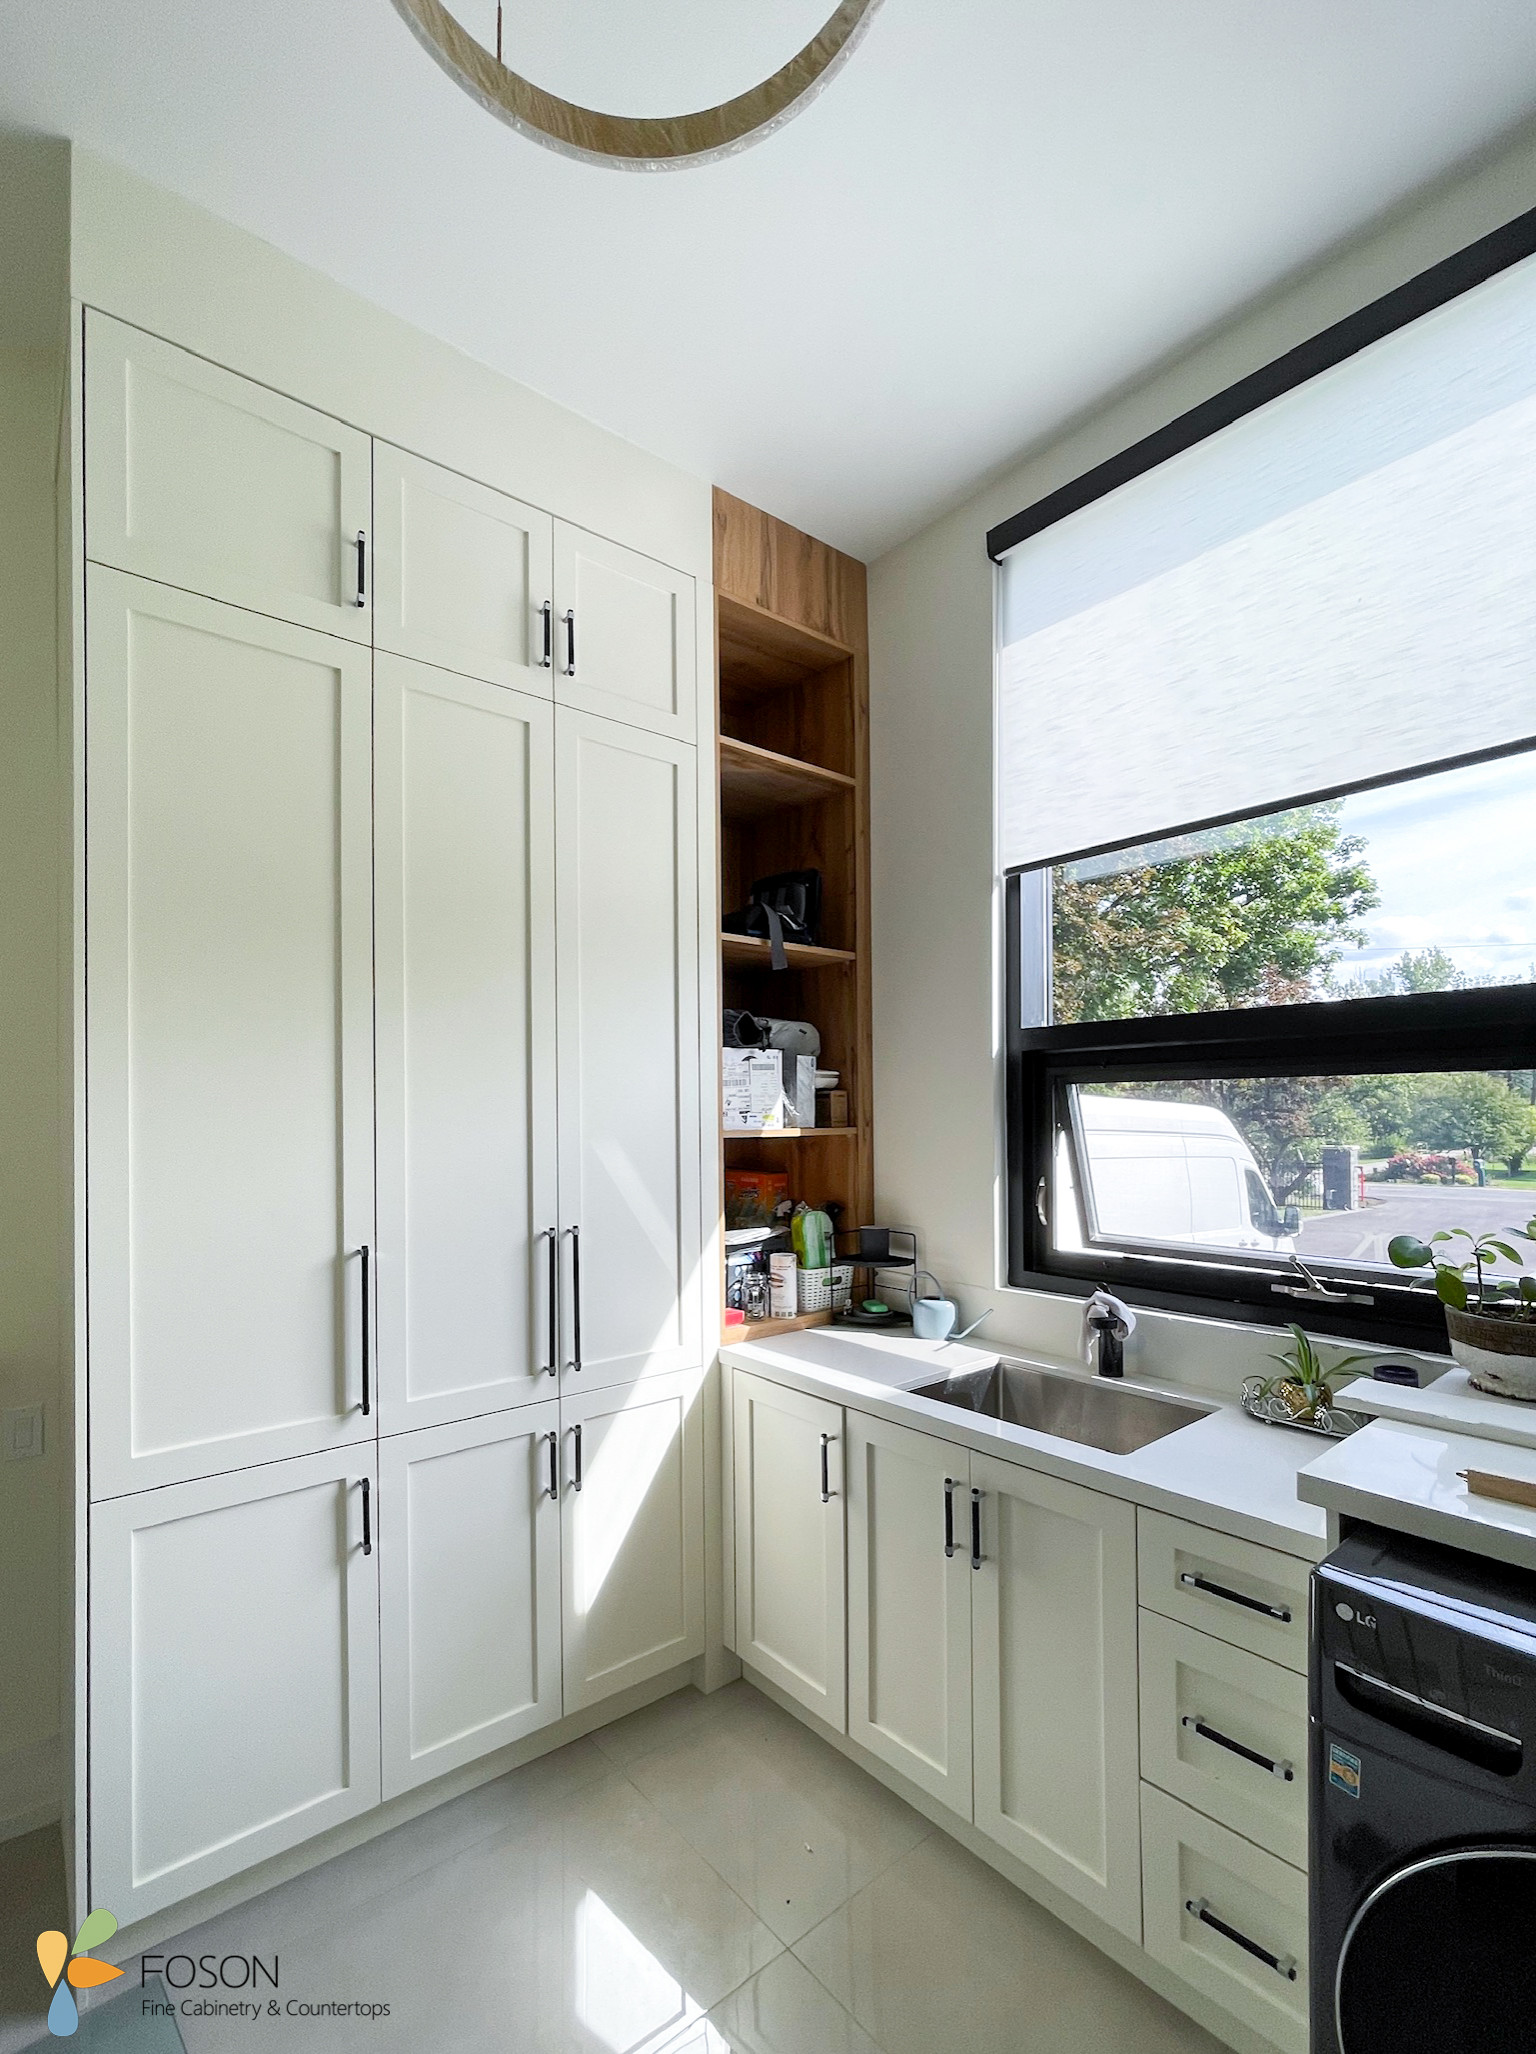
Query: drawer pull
[
  {"x": 949, "y": 1515},
  {"x": 826, "y": 1469},
  {"x": 1282, "y": 1964},
  {"x": 1191, "y": 1581},
  {"x": 1285, "y": 1771}
]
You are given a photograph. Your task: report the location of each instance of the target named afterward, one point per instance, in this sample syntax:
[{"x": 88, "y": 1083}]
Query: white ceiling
[{"x": 997, "y": 213}]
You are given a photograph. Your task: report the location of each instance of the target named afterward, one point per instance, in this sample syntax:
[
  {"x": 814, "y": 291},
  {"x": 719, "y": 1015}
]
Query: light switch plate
[{"x": 22, "y": 1435}]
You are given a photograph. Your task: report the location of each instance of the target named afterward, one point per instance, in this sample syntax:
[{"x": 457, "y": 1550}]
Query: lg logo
[{"x": 1348, "y": 1613}]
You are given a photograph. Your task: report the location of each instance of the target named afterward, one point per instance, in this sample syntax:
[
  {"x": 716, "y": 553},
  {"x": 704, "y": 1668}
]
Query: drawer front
[
  {"x": 1254, "y": 1597},
  {"x": 1227, "y": 1917},
  {"x": 1225, "y": 1731}
]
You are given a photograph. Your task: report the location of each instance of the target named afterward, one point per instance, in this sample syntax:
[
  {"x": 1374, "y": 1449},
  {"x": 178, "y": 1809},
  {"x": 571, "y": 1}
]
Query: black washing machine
[{"x": 1423, "y": 1767}]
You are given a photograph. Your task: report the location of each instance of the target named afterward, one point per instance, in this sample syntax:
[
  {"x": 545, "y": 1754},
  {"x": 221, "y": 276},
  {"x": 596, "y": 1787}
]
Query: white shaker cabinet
[
  {"x": 625, "y": 635},
  {"x": 464, "y": 574},
  {"x": 632, "y": 1534},
  {"x": 464, "y": 791},
  {"x": 627, "y": 944},
  {"x": 790, "y": 1592},
  {"x": 229, "y": 1036},
  {"x": 208, "y": 481},
  {"x": 1054, "y": 1647},
  {"x": 469, "y": 1536},
  {"x": 234, "y": 1673},
  {"x": 909, "y": 1605}
]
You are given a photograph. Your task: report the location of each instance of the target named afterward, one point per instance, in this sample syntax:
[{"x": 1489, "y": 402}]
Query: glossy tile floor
[{"x": 706, "y": 1875}]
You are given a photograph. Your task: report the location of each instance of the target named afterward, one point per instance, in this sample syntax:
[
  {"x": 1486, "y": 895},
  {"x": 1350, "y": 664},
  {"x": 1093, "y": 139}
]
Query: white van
[{"x": 1164, "y": 1172}]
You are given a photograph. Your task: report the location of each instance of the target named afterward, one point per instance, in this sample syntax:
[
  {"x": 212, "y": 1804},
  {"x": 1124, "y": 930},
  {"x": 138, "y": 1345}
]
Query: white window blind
[{"x": 1338, "y": 586}]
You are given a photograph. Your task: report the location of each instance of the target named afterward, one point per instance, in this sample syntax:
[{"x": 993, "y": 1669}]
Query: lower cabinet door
[
  {"x": 632, "y": 1534},
  {"x": 1053, "y": 1611},
  {"x": 234, "y": 1673},
  {"x": 790, "y": 1599},
  {"x": 909, "y": 1605},
  {"x": 469, "y": 1595}
]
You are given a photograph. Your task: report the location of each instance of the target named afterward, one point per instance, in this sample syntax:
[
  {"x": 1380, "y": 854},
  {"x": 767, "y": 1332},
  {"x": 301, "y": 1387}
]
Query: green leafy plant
[
  {"x": 1306, "y": 1386},
  {"x": 1497, "y": 1297}
]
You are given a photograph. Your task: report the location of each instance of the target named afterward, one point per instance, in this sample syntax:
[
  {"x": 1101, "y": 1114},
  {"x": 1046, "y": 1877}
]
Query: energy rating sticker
[{"x": 1343, "y": 1769}]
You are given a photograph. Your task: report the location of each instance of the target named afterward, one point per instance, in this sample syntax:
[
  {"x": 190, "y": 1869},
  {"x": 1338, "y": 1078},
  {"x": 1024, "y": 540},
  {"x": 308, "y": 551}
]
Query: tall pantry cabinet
[{"x": 396, "y": 1142}]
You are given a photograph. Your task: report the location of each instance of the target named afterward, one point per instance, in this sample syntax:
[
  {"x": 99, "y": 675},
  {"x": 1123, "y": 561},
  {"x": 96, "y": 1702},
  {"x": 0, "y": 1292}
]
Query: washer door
[{"x": 1441, "y": 1958}]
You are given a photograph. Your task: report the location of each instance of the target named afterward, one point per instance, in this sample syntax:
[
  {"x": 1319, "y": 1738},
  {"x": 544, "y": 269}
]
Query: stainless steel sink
[{"x": 1100, "y": 1414}]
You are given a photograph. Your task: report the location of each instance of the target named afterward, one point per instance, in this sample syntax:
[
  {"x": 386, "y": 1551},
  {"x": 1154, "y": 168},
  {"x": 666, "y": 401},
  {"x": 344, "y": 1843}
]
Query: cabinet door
[
  {"x": 229, "y": 1009},
  {"x": 234, "y": 1674},
  {"x": 207, "y": 481},
  {"x": 631, "y": 1109},
  {"x": 624, "y": 646},
  {"x": 1053, "y": 1611},
  {"x": 632, "y": 1535},
  {"x": 464, "y": 574},
  {"x": 469, "y": 1601},
  {"x": 790, "y": 1600},
  {"x": 466, "y": 1045},
  {"x": 909, "y": 1605}
]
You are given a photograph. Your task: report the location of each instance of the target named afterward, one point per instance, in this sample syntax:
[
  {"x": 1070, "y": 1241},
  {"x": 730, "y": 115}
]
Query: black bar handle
[
  {"x": 1235, "y": 1597},
  {"x": 949, "y": 1515},
  {"x": 576, "y": 1476},
  {"x": 976, "y": 1555},
  {"x": 1285, "y": 1771},
  {"x": 362, "y": 569},
  {"x": 554, "y": 1464},
  {"x": 553, "y": 1364},
  {"x": 547, "y": 613},
  {"x": 575, "y": 1361},
  {"x": 570, "y": 643},
  {"x": 365, "y": 1254},
  {"x": 367, "y": 1517},
  {"x": 826, "y": 1469},
  {"x": 1282, "y": 1964}
]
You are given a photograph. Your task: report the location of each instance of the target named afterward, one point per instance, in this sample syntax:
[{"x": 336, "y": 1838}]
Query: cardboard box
[
  {"x": 751, "y": 1196},
  {"x": 766, "y": 1090},
  {"x": 831, "y": 1108}
]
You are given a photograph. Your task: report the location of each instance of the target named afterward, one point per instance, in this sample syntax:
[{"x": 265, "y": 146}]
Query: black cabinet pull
[
  {"x": 367, "y": 1517},
  {"x": 1235, "y": 1597},
  {"x": 552, "y": 1367},
  {"x": 1282, "y": 1964},
  {"x": 1283, "y": 1770},
  {"x": 575, "y": 1361},
  {"x": 362, "y": 569},
  {"x": 570, "y": 643},
  {"x": 554, "y": 1464},
  {"x": 576, "y": 1474},
  {"x": 976, "y": 1555},
  {"x": 364, "y": 1254},
  {"x": 949, "y": 1515},
  {"x": 826, "y": 1469},
  {"x": 547, "y": 613}
]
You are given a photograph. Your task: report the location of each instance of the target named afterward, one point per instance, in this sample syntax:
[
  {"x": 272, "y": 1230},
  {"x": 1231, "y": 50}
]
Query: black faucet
[{"x": 1110, "y": 1359}]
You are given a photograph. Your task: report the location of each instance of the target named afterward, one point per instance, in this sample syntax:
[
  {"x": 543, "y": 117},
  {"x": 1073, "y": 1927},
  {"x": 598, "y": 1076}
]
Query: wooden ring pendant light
[{"x": 634, "y": 142}]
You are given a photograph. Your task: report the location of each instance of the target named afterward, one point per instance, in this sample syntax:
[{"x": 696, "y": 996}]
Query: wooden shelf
[
  {"x": 746, "y": 952},
  {"x": 754, "y": 781},
  {"x": 761, "y": 652},
  {"x": 784, "y": 1133},
  {"x": 765, "y": 1329}
]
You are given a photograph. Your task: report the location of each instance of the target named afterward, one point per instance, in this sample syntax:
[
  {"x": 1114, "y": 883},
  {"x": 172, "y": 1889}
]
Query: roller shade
[{"x": 1340, "y": 585}]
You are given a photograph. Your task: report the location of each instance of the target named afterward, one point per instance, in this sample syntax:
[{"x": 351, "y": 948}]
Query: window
[{"x": 1246, "y": 1051}]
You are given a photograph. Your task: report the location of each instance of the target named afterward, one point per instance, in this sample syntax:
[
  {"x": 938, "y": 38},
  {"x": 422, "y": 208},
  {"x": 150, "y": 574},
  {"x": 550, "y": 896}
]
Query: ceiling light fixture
[{"x": 636, "y": 142}]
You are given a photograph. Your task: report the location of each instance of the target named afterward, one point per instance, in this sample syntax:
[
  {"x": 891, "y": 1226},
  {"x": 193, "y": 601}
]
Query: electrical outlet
[{"x": 22, "y": 1435}]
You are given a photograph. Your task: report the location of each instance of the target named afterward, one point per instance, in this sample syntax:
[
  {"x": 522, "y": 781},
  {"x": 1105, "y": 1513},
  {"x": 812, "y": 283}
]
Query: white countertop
[
  {"x": 1226, "y": 1471},
  {"x": 1404, "y": 1476},
  {"x": 1448, "y": 1402}
]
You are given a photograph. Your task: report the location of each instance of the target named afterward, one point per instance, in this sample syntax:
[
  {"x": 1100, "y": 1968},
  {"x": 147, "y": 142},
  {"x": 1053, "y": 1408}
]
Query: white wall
[
  {"x": 34, "y": 1246},
  {"x": 937, "y": 1078}
]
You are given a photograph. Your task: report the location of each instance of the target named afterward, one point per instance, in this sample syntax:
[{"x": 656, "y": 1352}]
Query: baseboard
[
  {"x": 31, "y": 1787},
  {"x": 1232, "y": 2032}
]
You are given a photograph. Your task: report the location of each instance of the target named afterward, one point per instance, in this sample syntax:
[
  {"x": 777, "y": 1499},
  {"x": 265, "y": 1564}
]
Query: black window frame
[{"x": 1467, "y": 1030}]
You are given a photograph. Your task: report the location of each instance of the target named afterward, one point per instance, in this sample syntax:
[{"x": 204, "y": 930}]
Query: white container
[
  {"x": 767, "y": 1090},
  {"x": 824, "y": 1290},
  {"x": 782, "y": 1273}
]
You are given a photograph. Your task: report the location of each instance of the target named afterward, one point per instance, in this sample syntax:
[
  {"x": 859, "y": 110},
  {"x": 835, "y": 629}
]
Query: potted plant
[
  {"x": 1303, "y": 1395},
  {"x": 1492, "y": 1327}
]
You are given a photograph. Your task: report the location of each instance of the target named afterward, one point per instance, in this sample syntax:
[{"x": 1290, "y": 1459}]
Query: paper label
[{"x": 1343, "y": 1769}]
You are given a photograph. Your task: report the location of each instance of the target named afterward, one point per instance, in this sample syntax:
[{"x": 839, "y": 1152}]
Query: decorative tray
[{"x": 1331, "y": 1421}]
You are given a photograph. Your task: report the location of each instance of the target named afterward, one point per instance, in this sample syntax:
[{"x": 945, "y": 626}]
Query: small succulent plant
[{"x": 1306, "y": 1387}]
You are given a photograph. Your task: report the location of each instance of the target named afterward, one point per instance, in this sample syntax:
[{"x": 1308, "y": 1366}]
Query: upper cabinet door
[
  {"x": 464, "y": 790},
  {"x": 204, "y": 480},
  {"x": 464, "y": 574},
  {"x": 1053, "y": 1622},
  {"x": 229, "y": 1011},
  {"x": 631, "y": 1110},
  {"x": 624, "y": 641}
]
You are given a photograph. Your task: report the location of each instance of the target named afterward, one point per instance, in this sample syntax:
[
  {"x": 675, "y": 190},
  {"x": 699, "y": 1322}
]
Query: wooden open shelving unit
[{"x": 792, "y": 652}]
